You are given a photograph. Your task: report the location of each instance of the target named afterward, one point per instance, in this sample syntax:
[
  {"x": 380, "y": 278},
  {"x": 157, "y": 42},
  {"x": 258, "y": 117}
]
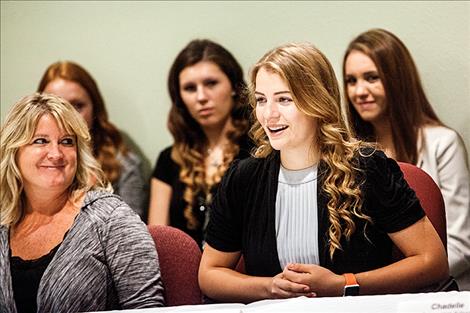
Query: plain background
[{"x": 128, "y": 47}]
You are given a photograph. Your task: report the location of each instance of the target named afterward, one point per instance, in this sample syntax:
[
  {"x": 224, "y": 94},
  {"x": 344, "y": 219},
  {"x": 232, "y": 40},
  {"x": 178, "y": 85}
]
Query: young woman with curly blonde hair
[
  {"x": 314, "y": 210},
  {"x": 209, "y": 123}
]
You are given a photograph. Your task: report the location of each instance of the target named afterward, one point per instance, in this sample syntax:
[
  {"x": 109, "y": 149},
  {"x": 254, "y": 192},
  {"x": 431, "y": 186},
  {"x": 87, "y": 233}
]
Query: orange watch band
[
  {"x": 350, "y": 279},
  {"x": 351, "y": 288}
]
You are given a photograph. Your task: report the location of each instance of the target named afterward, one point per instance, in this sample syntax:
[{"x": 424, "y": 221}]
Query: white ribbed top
[{"x": 296, "y": 216}]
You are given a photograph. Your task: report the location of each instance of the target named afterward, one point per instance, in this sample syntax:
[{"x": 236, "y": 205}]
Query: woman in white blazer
[{"x": 386, "y": 104}]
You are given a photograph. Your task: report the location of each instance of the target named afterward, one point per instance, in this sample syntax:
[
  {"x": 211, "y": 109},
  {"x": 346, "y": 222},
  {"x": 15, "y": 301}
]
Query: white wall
[{"x": 129, "y": 46}]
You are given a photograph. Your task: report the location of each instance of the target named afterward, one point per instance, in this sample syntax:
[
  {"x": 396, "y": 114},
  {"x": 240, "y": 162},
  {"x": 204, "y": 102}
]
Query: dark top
[
  {"x": 25, "y": 277},
  {"x": 243, "y": 215},
  {"x": 168, "y": 172}
]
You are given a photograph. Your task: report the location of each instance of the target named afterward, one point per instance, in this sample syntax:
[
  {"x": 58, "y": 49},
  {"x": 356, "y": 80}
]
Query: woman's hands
[
  {"x": 282, "y": 288},
  {"x": 306, "y": 280},
  {"x": 219, "y": 280}
]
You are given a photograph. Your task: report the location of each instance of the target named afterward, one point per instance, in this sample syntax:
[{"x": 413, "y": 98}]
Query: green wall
[{"x": 128, "y": 46}]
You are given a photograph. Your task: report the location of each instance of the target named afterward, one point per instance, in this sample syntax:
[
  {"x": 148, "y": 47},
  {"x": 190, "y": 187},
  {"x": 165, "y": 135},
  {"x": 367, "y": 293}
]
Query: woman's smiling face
[
  {"x": 364, "y": 87},
  {"x": 49, "y": 160},
  {"x": 285, "y": 125}
]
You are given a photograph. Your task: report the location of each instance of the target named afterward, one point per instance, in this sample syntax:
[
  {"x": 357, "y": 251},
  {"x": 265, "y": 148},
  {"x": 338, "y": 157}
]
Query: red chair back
[
  {"x": 429, "y": 196},
  {"x": 179, "y": 257}
]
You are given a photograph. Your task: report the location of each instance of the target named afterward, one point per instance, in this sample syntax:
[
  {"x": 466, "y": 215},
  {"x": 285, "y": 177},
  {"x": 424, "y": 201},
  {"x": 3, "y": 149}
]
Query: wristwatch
[{"x": 352, "y": 287}]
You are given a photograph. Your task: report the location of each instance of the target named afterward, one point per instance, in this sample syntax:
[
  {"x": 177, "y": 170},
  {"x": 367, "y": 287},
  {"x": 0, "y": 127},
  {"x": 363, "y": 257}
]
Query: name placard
[{"x": 451, "y": 305}]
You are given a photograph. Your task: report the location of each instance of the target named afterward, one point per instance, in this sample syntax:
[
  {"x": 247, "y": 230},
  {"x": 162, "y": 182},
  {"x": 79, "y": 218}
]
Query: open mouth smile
[{"x": 276, "y": 129}]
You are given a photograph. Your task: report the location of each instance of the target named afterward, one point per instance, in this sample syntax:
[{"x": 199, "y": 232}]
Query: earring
[{"x": 234, "y": 93}]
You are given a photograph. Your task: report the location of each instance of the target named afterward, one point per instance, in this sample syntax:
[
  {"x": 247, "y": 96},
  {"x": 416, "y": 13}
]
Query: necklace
[{"x": 215, "y": 157}]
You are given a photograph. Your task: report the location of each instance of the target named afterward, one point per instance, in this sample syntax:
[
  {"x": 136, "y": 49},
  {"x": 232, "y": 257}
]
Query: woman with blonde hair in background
[
  {"x": 314, "y": 212},
  {"x": 386, "y": 104},
  {"x": 66, "y": 243},
  {"x": 120, "y": 165},
  {"x": 208, "y": 121}
]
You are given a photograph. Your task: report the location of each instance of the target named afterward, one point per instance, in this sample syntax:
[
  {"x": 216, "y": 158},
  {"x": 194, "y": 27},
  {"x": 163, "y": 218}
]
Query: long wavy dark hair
[
  {"x": 408, "y": 108},
  {"x": 190, "y": 142},
  {"x": 106, "y": 139}
]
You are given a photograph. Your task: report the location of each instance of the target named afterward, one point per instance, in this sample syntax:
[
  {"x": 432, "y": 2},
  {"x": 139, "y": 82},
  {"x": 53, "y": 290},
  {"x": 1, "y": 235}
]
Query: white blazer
[{"x": 443, "y": 156}]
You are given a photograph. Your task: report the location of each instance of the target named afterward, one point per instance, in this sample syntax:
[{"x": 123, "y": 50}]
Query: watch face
[{"x": 351, "y": 290}]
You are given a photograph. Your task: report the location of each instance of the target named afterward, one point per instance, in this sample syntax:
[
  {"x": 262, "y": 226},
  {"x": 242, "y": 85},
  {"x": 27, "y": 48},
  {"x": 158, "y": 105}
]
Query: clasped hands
[{"x": 306, "y": 280}]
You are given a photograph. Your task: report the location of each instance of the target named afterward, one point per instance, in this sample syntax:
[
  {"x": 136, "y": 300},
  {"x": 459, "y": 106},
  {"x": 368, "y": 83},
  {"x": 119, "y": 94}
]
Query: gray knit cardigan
[{"x": 106, "y": 261}]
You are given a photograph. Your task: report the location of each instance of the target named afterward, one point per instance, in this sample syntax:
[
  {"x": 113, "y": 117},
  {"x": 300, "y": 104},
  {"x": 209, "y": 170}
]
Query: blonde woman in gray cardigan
[{"x": 66, "y": 244}]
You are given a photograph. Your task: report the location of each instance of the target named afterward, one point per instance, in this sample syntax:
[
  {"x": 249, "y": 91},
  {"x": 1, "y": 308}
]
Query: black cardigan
[{"x": 243, "y": 215}]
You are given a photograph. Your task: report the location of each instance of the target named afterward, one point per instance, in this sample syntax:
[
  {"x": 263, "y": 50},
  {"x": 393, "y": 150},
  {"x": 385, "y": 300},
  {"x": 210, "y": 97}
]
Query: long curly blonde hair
[
  {"x": 18, "y": 129},
  {"x": 314, "y": 88},
  {"x": 193, "y": 175},
  {"x": 190, "y": 143}
]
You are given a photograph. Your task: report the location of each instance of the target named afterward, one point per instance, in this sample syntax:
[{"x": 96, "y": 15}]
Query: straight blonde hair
[{"x": 18, "y": 130}]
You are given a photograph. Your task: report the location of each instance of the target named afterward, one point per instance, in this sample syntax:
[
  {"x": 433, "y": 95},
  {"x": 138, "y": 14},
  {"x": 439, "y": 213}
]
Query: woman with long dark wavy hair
[
  {"x": 121, "y": 166},
  {"x": 386, "y": 104},
  {"x": 208, "y": 122}
]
